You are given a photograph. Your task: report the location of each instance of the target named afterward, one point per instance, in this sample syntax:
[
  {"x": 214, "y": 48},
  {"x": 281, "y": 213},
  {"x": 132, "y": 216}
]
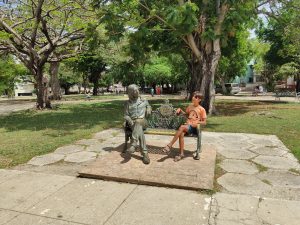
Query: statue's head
[{"x": 133, "y": 91}]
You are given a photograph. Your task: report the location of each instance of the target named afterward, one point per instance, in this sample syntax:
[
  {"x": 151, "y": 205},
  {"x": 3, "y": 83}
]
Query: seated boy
[{"x": 196, "y": 115}]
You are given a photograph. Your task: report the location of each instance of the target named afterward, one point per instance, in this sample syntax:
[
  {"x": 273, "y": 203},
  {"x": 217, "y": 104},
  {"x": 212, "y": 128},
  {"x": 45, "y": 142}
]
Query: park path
[
  {"x": 258, "y": 183},
  {"x": 9, "y": 106}
]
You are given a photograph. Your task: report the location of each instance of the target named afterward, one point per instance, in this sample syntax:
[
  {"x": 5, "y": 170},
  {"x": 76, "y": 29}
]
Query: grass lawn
[{"x": 26, "y": 134}]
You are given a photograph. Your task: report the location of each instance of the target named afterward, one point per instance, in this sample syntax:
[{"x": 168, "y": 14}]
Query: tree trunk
[
  {"x": 95, "y": 81},
  {"x": 55, "y": 86},
  {"x": 203, "y": 74},
  {"x": 195, "y": 68},
  {"x": 207, "y": 85},
  {"x": 40, "y": 89}
]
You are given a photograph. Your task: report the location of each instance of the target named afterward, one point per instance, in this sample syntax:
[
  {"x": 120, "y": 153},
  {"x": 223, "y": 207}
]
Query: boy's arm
[{"x": 203, "y": 117}]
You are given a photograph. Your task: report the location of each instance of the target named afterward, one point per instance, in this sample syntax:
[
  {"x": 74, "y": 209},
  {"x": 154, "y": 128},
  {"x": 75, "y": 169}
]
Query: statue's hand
[{"x": 129, "y": 121}]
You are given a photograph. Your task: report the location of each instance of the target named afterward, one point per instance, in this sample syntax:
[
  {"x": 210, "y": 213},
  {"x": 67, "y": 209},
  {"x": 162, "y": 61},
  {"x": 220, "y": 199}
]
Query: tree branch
[
  {"x": 37, "y": 15},
  {"x": 191, "y": 41}
]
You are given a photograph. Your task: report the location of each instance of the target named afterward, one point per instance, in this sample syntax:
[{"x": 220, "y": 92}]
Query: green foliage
[
  {"x": 259, "y": 49},
  {"x": 9, "y": 71},
  {"x": 68, "y": 78},
  {"x": 236, "y": 54},
  {"x": 157, "y": 71},
  {"x": 282, "y": 32},
  {"x": 287, "y": 70}
]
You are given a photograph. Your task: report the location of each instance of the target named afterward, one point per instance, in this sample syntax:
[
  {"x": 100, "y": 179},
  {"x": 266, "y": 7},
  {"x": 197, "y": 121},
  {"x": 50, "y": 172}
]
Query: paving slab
[
  {"x": 162, "y": 206},
  {"x": 228, "y": 209},
  {"x": 243, "y": 184},
  {"x": 87, "y": 142},
  {"x": 28, "y": 188},
  {"x": 7, "y": 215},
  {"x": 162, "y": 171},
  {"x": 239, "y": 166},
  {"x": 279, "y": 192},
  {"x": 85, "y": 201},
  {"x": 276, "y": 162},
  {"x": 261, "y": 141},
  {"x": 45, "y": 159},
  {"x": 269, "y": 150},
  {"x": 95, "y": 148},
  {"x": 26, "y": 219},
  {"x": 8, "y": 174},
  {"x": 283, "y": 212},
  {"x": 68, "y": 149},
  {"x": 109, "y": 133},
  {"x": 79, "y": 157},
  {"x": 281, "y": 178},
  {"x": 236, "y": 153}
]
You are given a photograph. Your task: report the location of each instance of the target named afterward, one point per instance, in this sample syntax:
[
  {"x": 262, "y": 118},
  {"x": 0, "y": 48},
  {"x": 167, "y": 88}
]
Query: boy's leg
[
  {"x": 181, "y": 144},
  {"x": 182, "y": 129}
]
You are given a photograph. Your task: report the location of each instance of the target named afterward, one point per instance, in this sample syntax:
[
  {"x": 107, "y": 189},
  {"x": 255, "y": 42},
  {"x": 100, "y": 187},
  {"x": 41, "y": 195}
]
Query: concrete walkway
[{"x": 258, "y": 183}]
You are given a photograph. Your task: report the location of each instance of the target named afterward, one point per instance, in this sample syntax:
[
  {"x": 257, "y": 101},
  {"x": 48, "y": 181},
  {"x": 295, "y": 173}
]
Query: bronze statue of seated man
[{"x": 136, "y": 111}]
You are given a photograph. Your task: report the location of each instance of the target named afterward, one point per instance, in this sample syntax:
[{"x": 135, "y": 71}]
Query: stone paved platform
[{"x": 162, "y": 171}]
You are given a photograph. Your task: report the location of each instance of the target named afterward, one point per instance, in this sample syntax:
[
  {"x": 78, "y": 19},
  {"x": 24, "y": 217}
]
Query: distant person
[
  {"x": 157, "y": 90},
  {"x": 255, "y": 91},
  {"x": 152, "y": 91}
]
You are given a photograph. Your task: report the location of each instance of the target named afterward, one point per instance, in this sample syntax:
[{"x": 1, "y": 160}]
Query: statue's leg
[
  {"x": 146, "y": 158},
  {"x": 139, "y": 125},
  {"x": 135, "y": 138}
]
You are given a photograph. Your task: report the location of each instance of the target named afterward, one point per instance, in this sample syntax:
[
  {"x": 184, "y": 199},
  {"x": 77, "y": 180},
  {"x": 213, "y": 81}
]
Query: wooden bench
[
  {"x": 165, "y": 121},
  {"x": 286, "y": 92}
]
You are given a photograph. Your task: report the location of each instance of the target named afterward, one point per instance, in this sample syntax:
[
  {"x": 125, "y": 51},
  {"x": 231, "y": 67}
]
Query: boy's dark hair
[{"x": 197, "y": 94}]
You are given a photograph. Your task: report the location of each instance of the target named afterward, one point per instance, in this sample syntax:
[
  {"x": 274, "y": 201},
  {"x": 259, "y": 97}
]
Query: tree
[
  {"x": 282, "y": 33},
  {"x": 288, "y": 70},
  {"x": 193, "y": 29},
  {"x": 67, "y": 78},
  {"x": 34, "y": 31},
  {"x": 92, "y": 65}
]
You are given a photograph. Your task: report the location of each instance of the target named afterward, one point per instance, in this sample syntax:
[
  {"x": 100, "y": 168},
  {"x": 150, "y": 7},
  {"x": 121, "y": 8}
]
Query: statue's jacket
[{"x": 136, "y": 109}]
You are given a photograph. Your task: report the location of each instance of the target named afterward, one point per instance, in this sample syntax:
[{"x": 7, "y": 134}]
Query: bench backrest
[{"x": 165, "y": 117}]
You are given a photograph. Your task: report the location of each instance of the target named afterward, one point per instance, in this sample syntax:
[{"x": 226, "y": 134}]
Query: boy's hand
[{"x": 178, "y": 111}]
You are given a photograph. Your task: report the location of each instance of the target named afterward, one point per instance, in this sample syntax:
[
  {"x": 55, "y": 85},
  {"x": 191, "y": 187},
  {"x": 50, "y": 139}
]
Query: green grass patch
[
  {"x": 267, "y": 182},
  {"x": 260, "y": 167},
  {"x": 295, "y": 171},
  {"x": 26, "y": 134},
  {"x": 218, "y": 173}
]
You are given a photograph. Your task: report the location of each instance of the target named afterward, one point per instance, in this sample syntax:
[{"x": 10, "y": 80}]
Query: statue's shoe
[
  {"x": 146, "y": 159},
  {"x": 131, "y": 149}
]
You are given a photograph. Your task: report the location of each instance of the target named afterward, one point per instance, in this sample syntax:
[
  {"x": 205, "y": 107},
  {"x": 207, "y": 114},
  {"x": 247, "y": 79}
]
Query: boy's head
[{"x": 197, "y": 97}]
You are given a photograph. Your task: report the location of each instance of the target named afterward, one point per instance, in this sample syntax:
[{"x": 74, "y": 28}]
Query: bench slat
[{"x": 160, "y": 131}]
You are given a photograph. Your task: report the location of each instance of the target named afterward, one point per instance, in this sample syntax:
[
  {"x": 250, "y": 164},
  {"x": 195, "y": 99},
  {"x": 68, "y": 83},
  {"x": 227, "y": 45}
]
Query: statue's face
[{"x": 133, "y": 92}]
